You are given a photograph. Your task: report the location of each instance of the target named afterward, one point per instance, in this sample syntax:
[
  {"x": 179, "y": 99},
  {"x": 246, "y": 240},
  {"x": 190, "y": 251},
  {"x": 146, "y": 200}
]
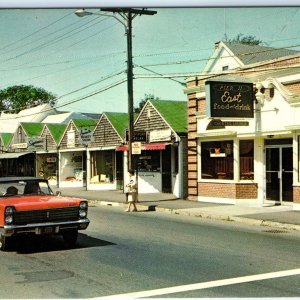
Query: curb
[{"x": 249, "y": 221}]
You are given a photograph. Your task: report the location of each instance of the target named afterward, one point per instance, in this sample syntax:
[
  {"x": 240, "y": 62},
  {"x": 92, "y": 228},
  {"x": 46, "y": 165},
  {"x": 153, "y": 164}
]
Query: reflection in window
[
  {"x": 217, "y": 160},
  {"x": 149, "y": 161},
  {"x": 247, "y": 160}
]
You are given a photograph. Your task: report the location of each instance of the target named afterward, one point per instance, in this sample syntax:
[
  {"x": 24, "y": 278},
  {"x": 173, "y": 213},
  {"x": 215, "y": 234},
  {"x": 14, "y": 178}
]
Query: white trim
[
  {"x": 296, "y": 206},
  {"x": 104, "y": 148},
  {"x": 72, "y": 150},
  {"x": 216, "y": 200},
  {"x": 219, "y": 134}
]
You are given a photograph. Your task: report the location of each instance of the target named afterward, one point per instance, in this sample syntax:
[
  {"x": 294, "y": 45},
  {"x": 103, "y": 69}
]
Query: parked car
[{"x": 29, "y": 206}]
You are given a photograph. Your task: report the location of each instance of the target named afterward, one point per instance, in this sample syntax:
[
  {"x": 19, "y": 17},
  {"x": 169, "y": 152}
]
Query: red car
[{"x": 29, "y": 206}]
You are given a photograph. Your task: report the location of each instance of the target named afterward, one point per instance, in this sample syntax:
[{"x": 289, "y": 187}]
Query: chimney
[{"x": 217, "y": 45}]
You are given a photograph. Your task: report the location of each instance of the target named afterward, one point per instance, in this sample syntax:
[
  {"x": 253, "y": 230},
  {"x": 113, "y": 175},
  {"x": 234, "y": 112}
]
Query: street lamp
[{"x": 127, "y": 15}]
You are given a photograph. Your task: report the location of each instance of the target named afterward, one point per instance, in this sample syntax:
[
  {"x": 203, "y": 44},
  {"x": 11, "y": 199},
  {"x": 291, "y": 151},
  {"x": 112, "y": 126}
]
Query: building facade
[
  {"x": 161, "y": 127},
  {"x": 239, "y": 152}
]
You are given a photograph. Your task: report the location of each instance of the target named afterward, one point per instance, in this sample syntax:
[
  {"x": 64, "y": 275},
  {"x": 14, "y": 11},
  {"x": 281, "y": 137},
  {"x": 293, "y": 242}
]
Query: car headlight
[
  {"x": 83, "y": 207},
  {"x": 9, "y": 214},
  {"x": 82, "y": 214}
]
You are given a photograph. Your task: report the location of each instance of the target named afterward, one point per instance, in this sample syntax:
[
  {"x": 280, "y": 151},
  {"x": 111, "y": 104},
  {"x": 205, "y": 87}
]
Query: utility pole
[{"x": 128, "y": 14}]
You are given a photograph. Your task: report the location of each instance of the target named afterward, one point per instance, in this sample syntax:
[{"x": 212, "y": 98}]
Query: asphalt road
[{"x": 146, "y": 252}]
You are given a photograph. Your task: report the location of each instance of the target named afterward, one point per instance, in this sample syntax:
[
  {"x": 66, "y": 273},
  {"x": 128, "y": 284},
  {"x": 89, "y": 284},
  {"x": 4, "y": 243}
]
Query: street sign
[
  {"x": 138, "y": 136},
  {"x": 136, "y": 148}
]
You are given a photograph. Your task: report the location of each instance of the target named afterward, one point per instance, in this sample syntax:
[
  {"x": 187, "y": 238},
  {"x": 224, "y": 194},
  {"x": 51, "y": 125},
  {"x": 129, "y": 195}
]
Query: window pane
[
  {"x": 217, "y": 160},
  {"x": 247, "y": 160}
]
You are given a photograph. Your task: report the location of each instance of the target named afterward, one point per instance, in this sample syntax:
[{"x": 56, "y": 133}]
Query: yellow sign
[{"x": 136, "y": 147}]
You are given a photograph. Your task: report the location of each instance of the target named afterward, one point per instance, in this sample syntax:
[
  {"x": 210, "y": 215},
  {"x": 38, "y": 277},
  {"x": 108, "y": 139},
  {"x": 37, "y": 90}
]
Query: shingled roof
[
  {"x": 80, "y": 123},
  {"x": 119, "y": 121},
  {"x": 249, "y": 54},
  {"x": 57, "y": 131},
  {"x": 32, "y": 129},
  {"x": 174, "y": 112},
  {"x": 6, "y": 138}
]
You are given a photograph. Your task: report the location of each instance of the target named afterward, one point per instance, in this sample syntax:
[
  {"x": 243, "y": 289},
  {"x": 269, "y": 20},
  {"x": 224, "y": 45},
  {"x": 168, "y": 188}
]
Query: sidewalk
[{"x": 283, "y": 216}]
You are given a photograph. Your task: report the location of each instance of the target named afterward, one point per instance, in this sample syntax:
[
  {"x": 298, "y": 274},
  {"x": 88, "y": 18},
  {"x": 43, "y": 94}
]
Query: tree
[
  {"x": 19, "y": 97},
  {"x": 248, "y": 40},
  {"x": 143, "y": 101}
]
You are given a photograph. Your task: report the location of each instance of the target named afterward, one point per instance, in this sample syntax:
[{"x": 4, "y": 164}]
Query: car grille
[{"x": 47, "y": 215}]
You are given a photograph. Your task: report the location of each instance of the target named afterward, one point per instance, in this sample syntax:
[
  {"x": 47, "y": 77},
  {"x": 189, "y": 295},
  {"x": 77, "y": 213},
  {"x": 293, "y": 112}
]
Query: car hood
[{"x": 32, "y": 202}]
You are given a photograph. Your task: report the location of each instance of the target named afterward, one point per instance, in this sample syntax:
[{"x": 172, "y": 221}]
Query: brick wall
[
  {"x": 192, "y": 147},
  {"x": 228, "y": 190},
  {"x": 246, "y": 191},
  {"x": 296, "y": 194}
]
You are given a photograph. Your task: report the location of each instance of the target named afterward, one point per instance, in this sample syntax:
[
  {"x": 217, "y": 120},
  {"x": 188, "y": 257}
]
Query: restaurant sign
[{"x": 229, "y": 99}]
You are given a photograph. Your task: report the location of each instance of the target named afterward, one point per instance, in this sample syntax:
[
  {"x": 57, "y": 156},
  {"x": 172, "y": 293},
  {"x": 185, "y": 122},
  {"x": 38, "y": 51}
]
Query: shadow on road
[{"x": 35, "y": 244}]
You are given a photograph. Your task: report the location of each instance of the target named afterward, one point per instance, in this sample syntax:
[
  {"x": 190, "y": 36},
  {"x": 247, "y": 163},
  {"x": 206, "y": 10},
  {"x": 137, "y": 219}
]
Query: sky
[{"x": 82, "y": 61}]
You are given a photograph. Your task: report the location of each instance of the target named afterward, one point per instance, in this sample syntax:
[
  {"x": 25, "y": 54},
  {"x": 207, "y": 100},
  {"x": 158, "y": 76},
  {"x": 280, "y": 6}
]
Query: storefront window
[
  {"x": 104, "y": 165},
  {"x": 217, "y": 160},
  {"x": 149, "y": 161},
  {"x": 247, "y": 160}
]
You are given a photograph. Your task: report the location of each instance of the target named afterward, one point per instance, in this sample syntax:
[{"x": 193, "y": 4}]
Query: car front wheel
[
  {"x": 70, "y": 237},
  {"x": 3, "y": 243}
]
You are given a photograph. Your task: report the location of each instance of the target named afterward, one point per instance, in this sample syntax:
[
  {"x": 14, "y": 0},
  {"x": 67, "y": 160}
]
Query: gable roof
[
  {"x": 80, "y": 123},
  {"x": 6, "y": 138},
  {"x": 174, "y": 112},
  {"x": 32, "y": 129},
  {"x": 119, "y": 121},
  {"x": 249, "y": 54},
  {"x": 57, "y": 131},
  {"x": 65, "y": 117}
]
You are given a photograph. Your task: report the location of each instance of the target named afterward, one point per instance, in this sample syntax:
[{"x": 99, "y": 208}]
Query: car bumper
[{"x": 44, "y": 228}]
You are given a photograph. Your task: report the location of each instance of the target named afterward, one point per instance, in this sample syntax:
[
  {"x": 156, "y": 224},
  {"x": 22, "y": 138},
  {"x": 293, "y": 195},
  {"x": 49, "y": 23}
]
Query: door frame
[{"x": 280, "y": 147}]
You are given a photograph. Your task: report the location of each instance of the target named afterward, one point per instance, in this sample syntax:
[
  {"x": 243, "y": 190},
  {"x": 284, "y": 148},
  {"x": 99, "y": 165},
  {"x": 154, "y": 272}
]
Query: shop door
[
  {"x": 166, "y": 170},
  {"x": 119, "y": 169},
  {"x": 279, "y": 174}
]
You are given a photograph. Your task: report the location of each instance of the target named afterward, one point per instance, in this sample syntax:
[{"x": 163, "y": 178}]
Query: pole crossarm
[
  {"x": 134, "y": 11},
  {"x": 127, "y": 14}
]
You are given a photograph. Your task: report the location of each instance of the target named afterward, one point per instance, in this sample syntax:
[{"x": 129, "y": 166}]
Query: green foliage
[
  {"x": 143, "y": 101},
  {"x": 19, "y": 97},
  {"x": 248, "y": 40}
]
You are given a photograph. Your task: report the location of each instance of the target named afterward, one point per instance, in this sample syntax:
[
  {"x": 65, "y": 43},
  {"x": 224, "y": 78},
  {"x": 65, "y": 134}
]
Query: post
[
  {"x": 129, "y": 14},
  {"x": 129, "y": 88}
]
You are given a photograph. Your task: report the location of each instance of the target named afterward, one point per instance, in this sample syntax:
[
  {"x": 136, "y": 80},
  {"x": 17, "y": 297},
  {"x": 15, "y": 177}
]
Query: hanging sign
[
  {"x": 36, "y": 143},
  {"x": 160, "y": 135},
  {"x": 71, "y": 139},
  {"x": 86, "y": 136},
  {"x": 136, "y": 148},
  {"x": 19, "y": 146},
  {"x": 229, "y": 99}
]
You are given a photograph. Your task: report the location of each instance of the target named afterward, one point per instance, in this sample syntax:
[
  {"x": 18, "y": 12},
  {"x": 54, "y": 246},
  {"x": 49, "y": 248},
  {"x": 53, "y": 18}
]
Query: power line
[
  {"x": 49, "y": 42},
  {"x": 75, "y": 59},
  {"x": 71, "y": 101},
  {"x": 35, "y": 32},
  {"x": 209, "y": 75},
  {"x": 80, "y": 89}
]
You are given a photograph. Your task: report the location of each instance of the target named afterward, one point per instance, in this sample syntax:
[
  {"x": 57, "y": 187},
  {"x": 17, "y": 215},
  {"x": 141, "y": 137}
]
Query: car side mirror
[{"x": 58, "y": 193}]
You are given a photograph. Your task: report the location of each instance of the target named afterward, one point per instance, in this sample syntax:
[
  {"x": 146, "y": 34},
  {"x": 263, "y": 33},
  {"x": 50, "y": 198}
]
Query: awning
[
  {"x": 156, "y": 146},
  {"x": 161, "y": 146},
  {"x": 13, "y": 155}
]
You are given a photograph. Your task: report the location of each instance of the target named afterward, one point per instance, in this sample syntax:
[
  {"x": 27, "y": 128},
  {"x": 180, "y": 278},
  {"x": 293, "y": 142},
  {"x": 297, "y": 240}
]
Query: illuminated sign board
[{"x": 229, "y": 99}]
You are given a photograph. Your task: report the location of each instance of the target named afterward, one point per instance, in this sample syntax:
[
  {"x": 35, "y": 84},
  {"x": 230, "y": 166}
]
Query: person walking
[{"x": 131, "y": 191}]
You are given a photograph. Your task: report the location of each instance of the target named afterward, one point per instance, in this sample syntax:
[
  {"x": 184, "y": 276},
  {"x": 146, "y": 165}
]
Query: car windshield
[{"x": 24, "y": 187}]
